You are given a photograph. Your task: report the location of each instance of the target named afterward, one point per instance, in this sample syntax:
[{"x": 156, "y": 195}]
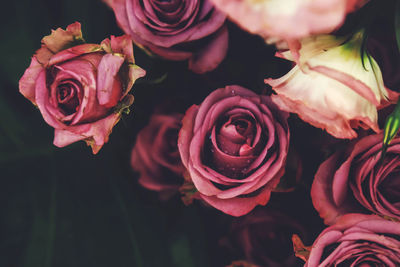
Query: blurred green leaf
[
  {"x": 180, "y": 250},
  {"x": 391, "y": 129}
]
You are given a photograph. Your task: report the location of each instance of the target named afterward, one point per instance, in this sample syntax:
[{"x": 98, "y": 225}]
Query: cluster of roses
[{"x": 231, "y": 150}]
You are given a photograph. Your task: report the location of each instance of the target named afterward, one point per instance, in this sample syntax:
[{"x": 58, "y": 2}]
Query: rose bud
[
  {"x": 354, "y": 240},
  {"x": 288, "y": 20},
  {"x": 335, "y": 86},
  {"x": 190, "y": 30},
  {"x": 355, "y": 180},
  {"x": 156, "y": 157},
  {"x": 263, "y": 237},
  {"x": 234, "y": 148},
  {"x": 81, "y": 89}
]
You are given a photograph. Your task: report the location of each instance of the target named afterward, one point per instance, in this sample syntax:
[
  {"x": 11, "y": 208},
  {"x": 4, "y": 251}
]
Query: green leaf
[{"x": 391, "y": 129}]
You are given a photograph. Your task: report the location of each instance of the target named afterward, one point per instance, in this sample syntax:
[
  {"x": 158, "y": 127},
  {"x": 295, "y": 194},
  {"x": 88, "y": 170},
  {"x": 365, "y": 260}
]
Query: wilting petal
[
  {"x": 74, "y": 52},
  {"x": 61, "y": 39},
  {"x": 108, "y": 87},
  {"x": 27, "y": 82},
  {"x": 77, "y": 87}
]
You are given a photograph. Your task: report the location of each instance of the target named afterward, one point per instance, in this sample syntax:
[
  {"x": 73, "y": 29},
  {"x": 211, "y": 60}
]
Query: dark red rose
[
  {"x": 156, "y": 157},
  {"x": 263, "y": 237}
]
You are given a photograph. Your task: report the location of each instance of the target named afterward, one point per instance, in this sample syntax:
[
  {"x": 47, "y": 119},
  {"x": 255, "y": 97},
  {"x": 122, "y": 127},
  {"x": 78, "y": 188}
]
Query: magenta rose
[
  {"x": 234, "y": 147},
  {"x": 263, "y": 237},
  {"x": 80, "y": 88},
  {"x": 176, "y": 30},
  {"x": 354, "y": 180},
  {"x": 355, "y": 240},
  {"x": 156, "y": 157}
]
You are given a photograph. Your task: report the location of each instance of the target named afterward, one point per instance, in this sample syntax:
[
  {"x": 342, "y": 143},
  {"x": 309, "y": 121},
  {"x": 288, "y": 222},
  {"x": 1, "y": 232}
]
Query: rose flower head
[
  {"x": 354, "y": 240},
  {"x": 334, "y": 86},
  {"x": 263, "y": 237},
  {"x": 234, "y": 147},
  {"x": 356, "y": 180},
  {"x": 156, "y": 157},
  {"x": 289, "y": 19},
  {"x": 81, "y": 89},
  {"x": 190, "y": 30}
]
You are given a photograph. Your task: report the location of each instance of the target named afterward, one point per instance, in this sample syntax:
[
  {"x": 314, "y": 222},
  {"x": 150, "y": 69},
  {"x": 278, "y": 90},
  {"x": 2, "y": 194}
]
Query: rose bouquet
[{"x": 223, "y": 133}]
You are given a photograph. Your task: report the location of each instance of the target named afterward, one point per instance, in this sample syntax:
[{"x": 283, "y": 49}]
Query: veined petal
[
  {"x": 323, "y": 102},
  {"x": 346, "y": 66}
]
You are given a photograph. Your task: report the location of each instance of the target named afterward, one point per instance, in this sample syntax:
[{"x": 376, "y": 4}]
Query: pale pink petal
[
  {"x": 64, "y": 138},
  {"x": 108, "y": 83},
  {"x": 323, "y": 102},
  {"x": 290, "y": 19}
]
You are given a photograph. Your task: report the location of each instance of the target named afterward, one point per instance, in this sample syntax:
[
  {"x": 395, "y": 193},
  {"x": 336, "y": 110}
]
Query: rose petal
[
  {"x": 60, "y": 39},
  {"x": 211, "y": 55},
  {"x": 108, "y": 84},
  {"x": 238, "y": 206},
  {"x": 28, "y": 80}
]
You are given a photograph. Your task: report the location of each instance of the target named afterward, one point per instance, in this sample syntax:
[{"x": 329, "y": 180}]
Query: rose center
[
  {"x": 67, "y": 98},
  {"x": 241, "y": 126},
  {"x": 390, "y": 187},
  {"x": 236, "y": 135},
  {"x": 170, "y": 12}
]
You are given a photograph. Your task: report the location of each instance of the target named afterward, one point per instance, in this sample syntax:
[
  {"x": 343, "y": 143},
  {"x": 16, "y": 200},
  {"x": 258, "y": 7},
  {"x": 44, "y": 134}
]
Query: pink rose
[
  {"x": 331, "y": 87},
  {"x": 354, "y": 180},
  {"x": 356, "y": 240},
  {"x": 176, "y": 30},
  {"x": 234, "y": 147},
  {"x": 288, "y": 20},
  {"x": 80, "y": 89},
  {"x": 263, "y": 237},
  {"x": 156, "y": 157}
]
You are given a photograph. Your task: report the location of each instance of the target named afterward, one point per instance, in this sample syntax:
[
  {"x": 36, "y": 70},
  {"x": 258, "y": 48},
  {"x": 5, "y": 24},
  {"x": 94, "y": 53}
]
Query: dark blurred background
[{"x": 67, "y": 207}]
